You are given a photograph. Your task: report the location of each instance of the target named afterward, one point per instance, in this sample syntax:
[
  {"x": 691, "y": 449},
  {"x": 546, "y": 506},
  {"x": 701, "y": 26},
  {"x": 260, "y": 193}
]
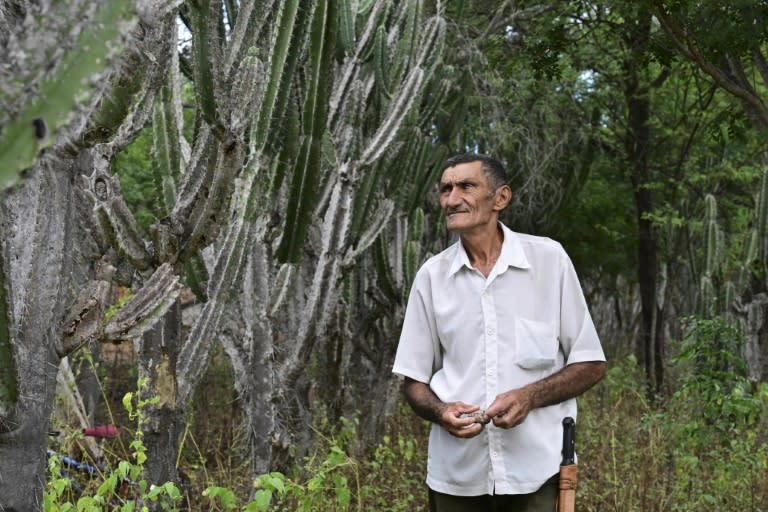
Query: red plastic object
[{"x": 108, "y": 431}]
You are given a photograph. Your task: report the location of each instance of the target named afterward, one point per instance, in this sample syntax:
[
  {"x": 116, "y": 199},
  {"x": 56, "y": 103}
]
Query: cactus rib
[{"x": 399, "y": 108}]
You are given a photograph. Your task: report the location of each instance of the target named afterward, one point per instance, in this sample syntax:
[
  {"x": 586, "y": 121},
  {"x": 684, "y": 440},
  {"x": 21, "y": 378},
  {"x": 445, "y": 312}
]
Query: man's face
[{"x": 466, "y": 198}]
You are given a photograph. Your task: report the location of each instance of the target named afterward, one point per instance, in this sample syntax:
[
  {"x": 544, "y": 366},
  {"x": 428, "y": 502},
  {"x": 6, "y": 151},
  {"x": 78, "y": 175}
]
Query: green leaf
[
  {"x": 128, "y": 402},
  {"x": 343, "y": 493},
  {"x": 225, "y": 497},
  {"x": 275, "y": 481},
  {"x": 261, "y": 500},
  {"x": 107, "y": 488},
  {"x": 172, "y": 491}
]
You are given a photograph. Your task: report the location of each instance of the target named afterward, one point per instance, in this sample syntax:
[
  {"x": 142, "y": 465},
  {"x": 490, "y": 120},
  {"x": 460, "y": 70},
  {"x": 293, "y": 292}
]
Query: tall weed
[{"x": 701, "y": 446}]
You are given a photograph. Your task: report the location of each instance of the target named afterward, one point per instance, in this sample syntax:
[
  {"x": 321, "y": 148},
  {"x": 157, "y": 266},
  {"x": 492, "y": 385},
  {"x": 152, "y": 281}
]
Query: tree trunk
[
  {"x": 637, "y": 143},
  {"x": 162, "y": 423}
]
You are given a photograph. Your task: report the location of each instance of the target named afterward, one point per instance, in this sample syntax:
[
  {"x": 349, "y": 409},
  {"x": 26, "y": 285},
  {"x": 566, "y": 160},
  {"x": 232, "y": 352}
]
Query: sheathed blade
[{"x": 569, "y": 441}]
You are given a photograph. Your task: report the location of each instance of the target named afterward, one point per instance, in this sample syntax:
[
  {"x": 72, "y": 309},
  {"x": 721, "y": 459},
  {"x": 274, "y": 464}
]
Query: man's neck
[{"x": 483, "y": 248}]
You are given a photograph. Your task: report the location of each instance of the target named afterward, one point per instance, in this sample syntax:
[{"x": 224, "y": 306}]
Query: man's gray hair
[{"x": 492, "y": 168}]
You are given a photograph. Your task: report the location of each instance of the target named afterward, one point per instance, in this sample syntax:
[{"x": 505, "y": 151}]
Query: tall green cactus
[
  {"x": 744, "y": 300},
  {"x": 306, "y": 175},
  {"x": 408, "y": 45},
  {"x": 707, "y": 293},
  {"x": 754, "y": 263},
  {"x": 205, "y": 16},
  {"x": 303, "y": 162},
  {"x": 712, "y": 236},
  {"x": 287, "y": 41},
  {"x": 167, "y": 161},
  {"x": 70, "y": 83}
]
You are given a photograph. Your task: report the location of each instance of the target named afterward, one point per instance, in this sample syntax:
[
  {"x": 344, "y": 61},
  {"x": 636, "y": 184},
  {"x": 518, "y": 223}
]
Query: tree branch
[
  {"x": 688, "y": 48},
  {"x": 760, "y": 63}
]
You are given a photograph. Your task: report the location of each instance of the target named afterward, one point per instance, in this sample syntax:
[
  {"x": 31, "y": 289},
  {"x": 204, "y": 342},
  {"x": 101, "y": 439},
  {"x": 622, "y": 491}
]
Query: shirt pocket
[{"x": 535, "y": 344}]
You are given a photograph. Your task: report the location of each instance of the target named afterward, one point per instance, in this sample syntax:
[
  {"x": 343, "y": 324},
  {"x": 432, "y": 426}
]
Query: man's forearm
[
  {"x": 568, "y": 383},
  {"x": 423, "y": 400}
]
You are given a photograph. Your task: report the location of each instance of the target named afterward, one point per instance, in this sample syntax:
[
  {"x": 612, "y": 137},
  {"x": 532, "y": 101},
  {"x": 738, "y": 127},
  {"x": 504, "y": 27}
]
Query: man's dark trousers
[{"x": 543, "y": 500}]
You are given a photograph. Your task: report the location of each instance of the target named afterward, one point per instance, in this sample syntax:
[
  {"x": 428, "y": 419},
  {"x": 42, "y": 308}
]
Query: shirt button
[
  {"x": 490, "y": 371},
  {"x": 494, "y": 454},
  {"x": 489, "y": 331}
]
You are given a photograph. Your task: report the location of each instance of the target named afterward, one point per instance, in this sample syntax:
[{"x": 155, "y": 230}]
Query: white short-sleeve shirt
[{"x": 472, "y": 338}]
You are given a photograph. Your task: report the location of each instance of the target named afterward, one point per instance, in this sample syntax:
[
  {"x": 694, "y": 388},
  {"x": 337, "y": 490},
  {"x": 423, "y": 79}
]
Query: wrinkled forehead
[{"x": 462, "y": 172}]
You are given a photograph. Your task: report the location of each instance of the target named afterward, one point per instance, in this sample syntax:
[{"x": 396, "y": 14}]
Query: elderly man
[{"x": 496, "y": 344}]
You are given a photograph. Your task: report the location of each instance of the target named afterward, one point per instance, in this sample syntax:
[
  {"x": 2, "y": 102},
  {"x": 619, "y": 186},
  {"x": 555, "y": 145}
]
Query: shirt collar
[{"x": 512, "y": 253}]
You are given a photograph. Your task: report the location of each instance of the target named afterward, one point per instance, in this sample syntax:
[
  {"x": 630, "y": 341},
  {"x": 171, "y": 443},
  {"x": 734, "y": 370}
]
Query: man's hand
[
  {"x": 459, "y": 420},
  {"x": 509, "y": 409},
  {"x": 456, "y": 417}
]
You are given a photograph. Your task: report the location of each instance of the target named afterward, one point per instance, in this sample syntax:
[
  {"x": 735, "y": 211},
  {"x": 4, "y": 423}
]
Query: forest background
[{"x": 212, "y": 211}]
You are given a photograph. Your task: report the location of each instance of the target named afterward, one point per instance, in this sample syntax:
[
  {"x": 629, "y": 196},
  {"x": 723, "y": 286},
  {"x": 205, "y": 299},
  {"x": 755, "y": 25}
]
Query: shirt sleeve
[
  {"x": 419, "y": 354},
  {"x": 578, "y": 336}
]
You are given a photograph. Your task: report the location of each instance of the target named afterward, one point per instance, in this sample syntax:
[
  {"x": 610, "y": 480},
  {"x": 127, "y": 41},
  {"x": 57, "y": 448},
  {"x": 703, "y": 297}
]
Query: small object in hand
[{"x": 479, "y": 417}]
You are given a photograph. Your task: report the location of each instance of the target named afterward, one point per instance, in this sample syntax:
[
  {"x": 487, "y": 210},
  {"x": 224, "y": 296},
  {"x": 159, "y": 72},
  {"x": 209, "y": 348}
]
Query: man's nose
[{"x": 453, "y": 198}]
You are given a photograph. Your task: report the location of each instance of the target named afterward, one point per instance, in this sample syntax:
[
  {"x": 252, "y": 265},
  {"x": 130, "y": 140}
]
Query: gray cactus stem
[
  {"x": 324, "y": 290},
  {"x": 9, "y": 388},
  {"x": 42, "y": 263},
  {"x": 146, "y": 307},
  {"x": 169, "y": 148},
  {"x": 352, "y": 66},
  {"x": 207, "y": 216},
  {"x": 249, "y": 26},
  {"x": 247, "y": 338},
  {"x": 385, "y": 211},
  {"x": 84, "y": 322},
  {"x": 196, "y": 351},
  {"x": 123, "y": 107},
  {"x": 399, "y": 107}
]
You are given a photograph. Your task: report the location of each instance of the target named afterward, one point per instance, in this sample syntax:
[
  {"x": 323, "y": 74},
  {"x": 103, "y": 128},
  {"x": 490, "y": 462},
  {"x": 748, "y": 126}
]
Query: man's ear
[{"x": 502, "y": 197}]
